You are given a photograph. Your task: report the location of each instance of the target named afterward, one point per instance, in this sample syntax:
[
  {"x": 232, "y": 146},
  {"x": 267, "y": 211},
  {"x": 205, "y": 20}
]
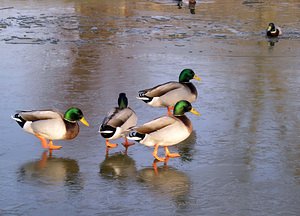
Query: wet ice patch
[
  {"x": 251, "y": 2},
  {"x": 42, "y": 29},
  {"x": 160, "y": 18},
  {"x": 29, "y": 40},
  {"x": 4, "y": 24}
]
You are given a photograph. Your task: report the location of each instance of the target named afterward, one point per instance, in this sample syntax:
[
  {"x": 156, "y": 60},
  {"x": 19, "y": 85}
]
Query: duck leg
[
  {"x": 127, "y": 144},
  {"x": 43, "y": 141},
  {"x": 53, "y": 147},
  {"x": 155, "y": 154},
  {"x": 109, "y": 146},
  {"x": 171, "y": 155}
]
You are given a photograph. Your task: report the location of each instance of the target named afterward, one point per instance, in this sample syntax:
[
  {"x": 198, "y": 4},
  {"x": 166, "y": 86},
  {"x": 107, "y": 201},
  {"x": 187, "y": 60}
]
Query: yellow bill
[
  {"x": 196, "y": 77},
  {"x": 195, "y": 112},
  {"x": 84, "y": 121}
]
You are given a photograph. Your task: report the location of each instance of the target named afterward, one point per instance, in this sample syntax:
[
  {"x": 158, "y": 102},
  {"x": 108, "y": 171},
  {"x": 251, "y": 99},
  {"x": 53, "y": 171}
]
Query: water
[{"x": 243, "y": 155}]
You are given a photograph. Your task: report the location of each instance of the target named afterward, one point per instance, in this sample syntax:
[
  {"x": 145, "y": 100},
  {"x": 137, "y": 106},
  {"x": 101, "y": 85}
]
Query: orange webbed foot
[
  {"x": 110, "y": 145},
  {"x": 171, "y": 155},
  {"x": 160, "y": 159},
  {"x": 127, "y": 144},
  {"x": 53, "y": 147}
]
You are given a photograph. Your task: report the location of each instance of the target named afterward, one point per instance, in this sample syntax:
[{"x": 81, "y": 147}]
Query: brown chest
[{"x": 72, "y": 130}]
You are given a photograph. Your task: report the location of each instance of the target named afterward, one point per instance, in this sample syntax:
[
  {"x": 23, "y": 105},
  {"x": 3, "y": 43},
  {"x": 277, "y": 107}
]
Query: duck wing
[
  {"x": 117, "y": 117},
  {"x": 47, "y": 123},
  {"x": 35, "y": 115},
  {"x": 156, "y": 125},
  {"x": 160, "y": 90}
]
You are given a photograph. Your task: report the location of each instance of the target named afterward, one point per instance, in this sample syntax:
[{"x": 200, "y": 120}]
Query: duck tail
[
  {"x": 135, "y": 136},
  {"x": 18, "y": 118},
  {"x": 142, "y": 96},
  {"x": 107, "y": 131}
]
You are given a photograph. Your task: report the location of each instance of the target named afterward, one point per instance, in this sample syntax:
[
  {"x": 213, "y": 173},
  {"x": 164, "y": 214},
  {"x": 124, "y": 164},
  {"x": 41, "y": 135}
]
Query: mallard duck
[
  {"x": 166, "y": 130},
  {"x": 167, "y": 94},
  {"x": 273, "y": 31},
  {"x": 51, "y": 124},
  {"x": 117, "y": 122}
]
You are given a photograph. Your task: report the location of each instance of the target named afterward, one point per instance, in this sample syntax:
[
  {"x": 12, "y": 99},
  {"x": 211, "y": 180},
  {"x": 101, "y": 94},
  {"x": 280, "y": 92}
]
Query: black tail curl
[
  {"x": 136, "y": 136},
  {"x": 146, "y": 99},
  {"x": 19, "y": 120}
]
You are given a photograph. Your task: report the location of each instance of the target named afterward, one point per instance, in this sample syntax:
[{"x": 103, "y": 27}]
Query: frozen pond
[{"x": 243, "y": 157}]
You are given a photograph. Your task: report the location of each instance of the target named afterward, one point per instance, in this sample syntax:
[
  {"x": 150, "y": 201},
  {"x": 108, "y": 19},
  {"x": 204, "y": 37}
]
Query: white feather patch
[
  {"x": 134, "y": 138},
  {"x": 106, "y": 132},
  {"x": 16, "y": 119},
  {"x": 142, "y": 98}
]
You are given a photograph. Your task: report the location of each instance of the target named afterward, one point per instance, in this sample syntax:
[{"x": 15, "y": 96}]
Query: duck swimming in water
[{"x": 273, "y": 31}]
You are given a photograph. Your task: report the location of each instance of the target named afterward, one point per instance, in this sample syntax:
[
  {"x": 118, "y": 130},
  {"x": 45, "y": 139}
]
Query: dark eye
[{"x": 189, "y": 108}]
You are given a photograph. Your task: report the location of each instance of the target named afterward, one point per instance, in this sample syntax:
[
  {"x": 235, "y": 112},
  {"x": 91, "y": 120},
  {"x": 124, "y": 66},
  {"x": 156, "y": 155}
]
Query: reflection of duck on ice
[
  {"x": 163, "y": 180},
  {"x": 50, "y": 170},
  {"x": 118, "y": 166},
  {"x": 166, "y": 180},
  {"x": 191, "y": 4}
]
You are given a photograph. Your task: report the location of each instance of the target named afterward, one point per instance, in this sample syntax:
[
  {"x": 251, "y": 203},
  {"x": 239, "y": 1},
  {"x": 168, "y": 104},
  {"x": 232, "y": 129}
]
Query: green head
[
  {"x": 187, "y": 74},
  {"x": 182, "y": 107},
  {"x": 122, "y": 101},
  {"x": 74, "y": 114}
]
